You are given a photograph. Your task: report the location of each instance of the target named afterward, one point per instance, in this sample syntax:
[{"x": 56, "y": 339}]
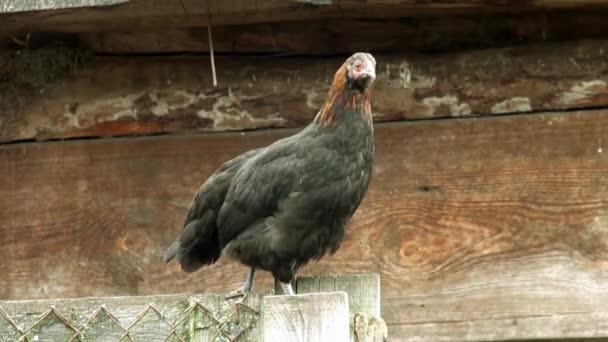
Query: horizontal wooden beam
[
  {"x": 335, "y": 36},
  {"x": 481, "y": 229},
  {"x": 119, "y": 96},
  {"x": 322, "y": 32},
  {"x": 146, "y": 14},
  {"x": 11, "y": 6}
]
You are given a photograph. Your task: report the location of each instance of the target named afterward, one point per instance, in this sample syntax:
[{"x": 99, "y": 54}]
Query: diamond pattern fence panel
[
  {"x": 208, "y": 317},
  {"x": 147, "y": 318}
]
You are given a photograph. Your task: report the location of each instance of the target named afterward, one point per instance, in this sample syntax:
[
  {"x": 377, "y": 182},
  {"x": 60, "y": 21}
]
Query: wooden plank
[
  {"x": 10, "y": 6},
  {"x": 334, "y": 36},
  {"x": 363, "y": 298},
  {"x": 473, "y": 224},
  {"x": 363, "y": 290},
  {"x": 368, "y": 328},
  {"x": 126, "y": 96},
  {"x": 144, "y": 15},
  {"x": 319, "y": 317},
  {"x": 574, "y": 327}
]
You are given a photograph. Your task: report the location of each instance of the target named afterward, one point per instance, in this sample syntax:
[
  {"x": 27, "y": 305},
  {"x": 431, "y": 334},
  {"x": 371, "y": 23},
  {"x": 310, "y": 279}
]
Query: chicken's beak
[{"x": 367, "y": 76}]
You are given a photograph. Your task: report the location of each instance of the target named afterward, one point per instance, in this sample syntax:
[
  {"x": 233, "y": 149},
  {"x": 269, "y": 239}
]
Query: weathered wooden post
[
  {"x": 321, "y": 317},
  {"x": 363, "y": 299}
]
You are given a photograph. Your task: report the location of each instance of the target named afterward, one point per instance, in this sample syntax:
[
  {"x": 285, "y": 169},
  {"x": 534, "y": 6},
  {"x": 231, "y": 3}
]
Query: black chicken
[{"x": 278, "y": 207}]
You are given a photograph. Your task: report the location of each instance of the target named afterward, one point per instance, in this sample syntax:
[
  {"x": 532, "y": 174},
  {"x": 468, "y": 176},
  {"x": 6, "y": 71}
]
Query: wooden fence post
[
  {"x": 320, "y": 317},
  {"x": 363, "y": 291}
]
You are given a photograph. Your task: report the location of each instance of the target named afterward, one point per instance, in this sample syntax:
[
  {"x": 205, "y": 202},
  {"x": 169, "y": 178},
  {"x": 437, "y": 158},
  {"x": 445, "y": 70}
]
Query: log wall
[
  {"x": 488, "y": 220},
  {"x": 115, "y": 96}
]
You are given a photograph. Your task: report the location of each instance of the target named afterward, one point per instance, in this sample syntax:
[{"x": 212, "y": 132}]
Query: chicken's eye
[{"x": 358, "y": 66}]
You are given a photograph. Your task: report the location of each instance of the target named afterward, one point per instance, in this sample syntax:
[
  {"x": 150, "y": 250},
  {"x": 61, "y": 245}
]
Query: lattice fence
[
  {"x": 173, "y": 317},
  {"x": 154, "y": 318}
]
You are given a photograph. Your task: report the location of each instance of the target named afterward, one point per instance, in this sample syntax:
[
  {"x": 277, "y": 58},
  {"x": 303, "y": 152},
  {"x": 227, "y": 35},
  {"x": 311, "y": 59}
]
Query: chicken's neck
[{"x": 343, "y": 103}]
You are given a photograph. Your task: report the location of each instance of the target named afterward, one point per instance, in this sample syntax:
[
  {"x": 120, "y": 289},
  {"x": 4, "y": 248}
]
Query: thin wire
[
  {"x": 211, "y": 55},
  {"x": 210, "y": 38}
]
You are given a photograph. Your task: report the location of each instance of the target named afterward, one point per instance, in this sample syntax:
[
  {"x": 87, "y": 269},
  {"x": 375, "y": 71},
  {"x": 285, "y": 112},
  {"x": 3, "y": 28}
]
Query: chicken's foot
[{"x": 245, "y": 289}]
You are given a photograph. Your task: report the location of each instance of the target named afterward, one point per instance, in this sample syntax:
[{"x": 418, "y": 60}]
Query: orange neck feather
[{"x": 341, "y": 98}]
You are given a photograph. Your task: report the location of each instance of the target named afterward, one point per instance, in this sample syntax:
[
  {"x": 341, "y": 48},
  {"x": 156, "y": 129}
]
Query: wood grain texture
[
  {"x": 363, "y": 290},
  {"x": 129, "y": 96},
  {"x": 144, "y": 15},
  {"x": 363, "y": 298},
  {"x": 368, "y": 328},
  {"x": 336, "y": 36},
  {"x": 492, "y": 228},
  {"x": 321, "y": 317},
  {"x": 10, "y": 6}
]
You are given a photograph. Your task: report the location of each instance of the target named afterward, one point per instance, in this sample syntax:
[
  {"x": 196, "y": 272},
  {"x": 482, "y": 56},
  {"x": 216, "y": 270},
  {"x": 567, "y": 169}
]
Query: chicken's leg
[
  {"x": 246, "y": 288},
  {"x": 282, "y": 288},
  {"x": 287, "y": 289}
]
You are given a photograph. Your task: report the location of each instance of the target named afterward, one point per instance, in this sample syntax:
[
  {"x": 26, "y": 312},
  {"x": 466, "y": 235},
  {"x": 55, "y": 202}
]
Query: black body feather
[{"x": 279, "y": 207}]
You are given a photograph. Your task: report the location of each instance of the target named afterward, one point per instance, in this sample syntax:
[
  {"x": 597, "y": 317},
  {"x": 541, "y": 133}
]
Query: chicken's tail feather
[
  {"x": 171, "y": 252},
  {"x": 197, "y": 246}
]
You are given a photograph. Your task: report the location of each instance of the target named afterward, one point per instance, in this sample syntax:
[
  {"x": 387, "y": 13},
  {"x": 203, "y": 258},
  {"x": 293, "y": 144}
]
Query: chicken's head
[{"x": 360, "y": 71}]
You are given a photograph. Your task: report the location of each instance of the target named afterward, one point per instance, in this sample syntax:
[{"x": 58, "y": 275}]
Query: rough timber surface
[
  {"x": 130, "y": 96},
  {"x": 10, "y": 6},
  {"x": 363, "y": 292},
  {"x": 481, "y": 229},
  {"x": 331, "y": 36},
  {"x": 146, "y": 14},
  {"x": 320, "y": 317}
]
